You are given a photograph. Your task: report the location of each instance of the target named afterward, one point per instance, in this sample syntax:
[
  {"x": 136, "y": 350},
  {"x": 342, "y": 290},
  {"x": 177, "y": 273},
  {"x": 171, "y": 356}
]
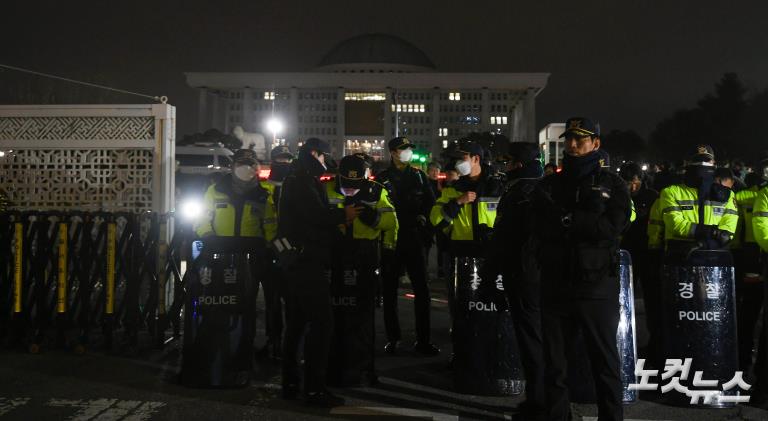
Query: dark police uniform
[
  {"x": 581, "y": 214},
  {"x": 515, "y": 250},
  {"x": 413, "y": 199},
  {"x": 272, "y": 280},
  {"x": 308, "y": 223}
]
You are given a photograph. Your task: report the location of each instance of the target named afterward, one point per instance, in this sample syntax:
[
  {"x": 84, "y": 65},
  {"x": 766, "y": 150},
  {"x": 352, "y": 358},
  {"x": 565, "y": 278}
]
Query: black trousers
[
  {"x": 410, "y": 254},
  {"x": 525, "y": 304},
  {"x": 269, "y": 275},
  {"x": 598, "y": 320},
  {"x": 308, "y": 316},
  {"x": 649, "y": 273},
  {"x": 749, "y": 301}
]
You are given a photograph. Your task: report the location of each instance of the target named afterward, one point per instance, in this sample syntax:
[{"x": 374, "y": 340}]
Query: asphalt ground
[{"x": 142, "y": 384}]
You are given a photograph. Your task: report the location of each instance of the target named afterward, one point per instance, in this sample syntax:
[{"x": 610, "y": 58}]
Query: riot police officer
[
  {"x": 760, "y": 232},
  {"x": 305, "y": 228},
  {"x": 280, "y": 158},
  {"x": 413, "y": 199},
  {"x": 698, "y": 213},
  {"x": 581, "y": 213},
  {"x": 515, "y": 250},
  {"x": 355, "y": 261},
  {"x": 746, "y": 253}
]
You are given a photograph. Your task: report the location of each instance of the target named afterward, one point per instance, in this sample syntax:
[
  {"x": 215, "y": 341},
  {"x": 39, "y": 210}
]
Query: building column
[
  {"x": 341, "y": 137},
  {"x": 485, "y": 112},
  {"x": 388, "y": 129},
  {"x": 202, "y": 109},
  {"x": 292, "y": 119},
  {"x": 247, "y": 110},
  {"x": 216, "y": 111},
  {"x": 515, "y": 123},
  {"x": 530, "y": 116},
  {"x": 437, "y": 141}
]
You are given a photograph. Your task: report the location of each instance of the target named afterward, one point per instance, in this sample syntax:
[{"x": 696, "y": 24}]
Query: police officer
[
  {"x": 235, "y": 207},
  {"x": 280, "y": 158},
  {"x": 355, "y": 259},
  {"x": 635, "y": 240},
  {"x": 581, "y": 213},
  {"x": 698, "y": 213},
  {"x": 515, "y": 249},
  {"x": 413, "y": 199},
  {"x": 750, "y": 282},
  {"x": 306, "y": 223},
  {"x": 760, "y": 231}
]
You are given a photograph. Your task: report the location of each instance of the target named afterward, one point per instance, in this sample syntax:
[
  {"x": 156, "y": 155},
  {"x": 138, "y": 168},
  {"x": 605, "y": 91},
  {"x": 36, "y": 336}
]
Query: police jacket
[
  {"x": 228, "y": 214},
  {"x": 515, "y": 248},
  {"x": 760, "y": 219},
  {"x": 378, "y": 218},
  {"x": 745, "y": 202},
  {"x": 409, "y": 191},
  {"x": 270, "y": 211},
  {"x": 304, "y": 215},
  {"x": 580, "y": 216},
  {"x": 684, "y": 211},
  {"x": 468, "y": 226}
]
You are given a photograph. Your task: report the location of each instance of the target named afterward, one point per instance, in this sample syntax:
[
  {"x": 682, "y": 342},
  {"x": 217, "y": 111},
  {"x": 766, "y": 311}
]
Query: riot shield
[
  {"x": 219, "y": 316},
  {"x": 486, "y": 357},
  {"x": 700, "y": 322},
  {"x": 353, "y": 285}
]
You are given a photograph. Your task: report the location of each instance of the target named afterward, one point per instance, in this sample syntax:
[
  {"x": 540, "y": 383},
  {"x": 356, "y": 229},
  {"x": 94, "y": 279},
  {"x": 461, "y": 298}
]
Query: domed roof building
[
  {"x": 375, "y": 53},
  {"x": 366, "y": 90}
]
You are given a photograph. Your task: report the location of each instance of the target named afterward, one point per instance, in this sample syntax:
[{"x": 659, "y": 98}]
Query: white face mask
[
  {"x": 464, "y": 167},
  {"x": 349, "y": 192},
  {"x": 245, "y": 172},
  {"x": 406, "y": 155}
]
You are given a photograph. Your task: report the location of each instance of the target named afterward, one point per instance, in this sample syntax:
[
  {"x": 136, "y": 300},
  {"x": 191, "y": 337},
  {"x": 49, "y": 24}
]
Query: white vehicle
[{"x": 203, "y": 160}]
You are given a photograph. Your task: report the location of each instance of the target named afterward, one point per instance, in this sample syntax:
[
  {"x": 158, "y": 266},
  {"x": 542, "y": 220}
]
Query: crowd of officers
[{"x": 554, "y": 235}]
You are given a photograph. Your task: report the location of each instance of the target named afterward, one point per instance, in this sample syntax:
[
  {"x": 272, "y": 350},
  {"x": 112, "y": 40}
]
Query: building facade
[{"x": 365, "y": 91}]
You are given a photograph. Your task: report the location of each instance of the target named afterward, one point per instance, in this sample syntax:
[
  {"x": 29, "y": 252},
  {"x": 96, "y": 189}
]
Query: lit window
[
  {"x": 365, "y": 96},
  {"x": 454, "y": 96},
  {"x": 504, "y": 120},
  {"x": 421, "y": 108},
  {"x": 445, "y": 144},
  {"x": 493, "y": 120},
  {"x": 269, "y": 95},
  {"x": 443, "y": 131}
]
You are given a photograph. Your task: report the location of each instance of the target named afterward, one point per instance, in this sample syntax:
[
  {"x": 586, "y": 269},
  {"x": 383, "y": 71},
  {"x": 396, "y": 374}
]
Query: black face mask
[
  {"x": 698, "y": 175},
  {"x": 528, "y": 170},
  {"x": 279, "y": 171},
  {"x": 577, "y": 167}
]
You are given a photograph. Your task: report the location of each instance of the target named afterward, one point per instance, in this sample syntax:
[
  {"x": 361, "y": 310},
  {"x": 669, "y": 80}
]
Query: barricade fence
[{"x": 74, "y": 279}]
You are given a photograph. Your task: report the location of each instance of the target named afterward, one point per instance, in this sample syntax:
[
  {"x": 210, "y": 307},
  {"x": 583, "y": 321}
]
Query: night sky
[{"x": 625, "y": 63}]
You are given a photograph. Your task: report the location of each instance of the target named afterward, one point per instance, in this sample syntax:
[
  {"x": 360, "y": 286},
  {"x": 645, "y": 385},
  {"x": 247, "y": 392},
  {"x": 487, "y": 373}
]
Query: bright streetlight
[{"x": 275, "y": 126}]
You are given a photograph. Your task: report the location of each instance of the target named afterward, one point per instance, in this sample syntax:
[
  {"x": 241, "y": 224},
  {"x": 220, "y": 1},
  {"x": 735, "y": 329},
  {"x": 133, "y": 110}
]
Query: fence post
[
  {"x": 62, "y": 285},
  {"x": 109, "y": 305}
]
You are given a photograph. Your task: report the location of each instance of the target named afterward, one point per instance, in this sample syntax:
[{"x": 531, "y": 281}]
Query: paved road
[{"x": 57, "y": 384}]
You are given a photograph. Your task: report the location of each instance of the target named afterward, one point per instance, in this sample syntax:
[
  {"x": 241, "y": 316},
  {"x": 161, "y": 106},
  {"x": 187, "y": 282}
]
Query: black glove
[
  {"x": 721, "y": 237},
  {"x": 710, "y": 237},
  {"x": 703, "y": 232},
  {"x": 369, "y": 216}
]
